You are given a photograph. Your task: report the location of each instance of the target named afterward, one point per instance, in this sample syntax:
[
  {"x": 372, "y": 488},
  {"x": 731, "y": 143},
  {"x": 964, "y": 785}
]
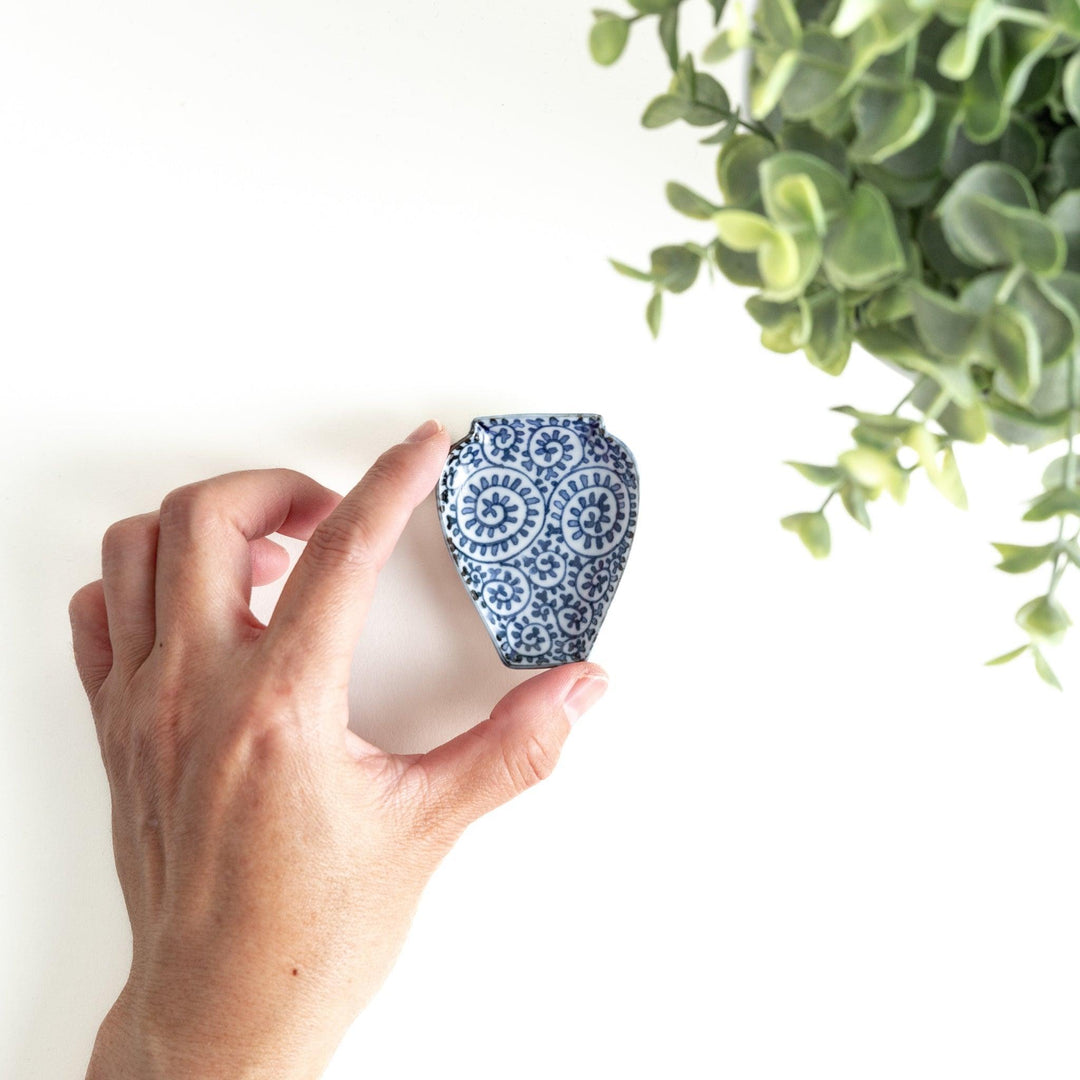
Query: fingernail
[
  {"x": 425, "y": 431},
  {"x": 585, "y": 693}
]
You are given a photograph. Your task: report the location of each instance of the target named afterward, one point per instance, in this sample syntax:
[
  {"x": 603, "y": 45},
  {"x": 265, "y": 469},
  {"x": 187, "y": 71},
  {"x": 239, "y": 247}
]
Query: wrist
[{"x": 137, "y": 1043}]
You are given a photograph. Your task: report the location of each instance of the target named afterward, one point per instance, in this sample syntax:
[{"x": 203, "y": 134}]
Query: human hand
[{"x": 270, "y": 859}]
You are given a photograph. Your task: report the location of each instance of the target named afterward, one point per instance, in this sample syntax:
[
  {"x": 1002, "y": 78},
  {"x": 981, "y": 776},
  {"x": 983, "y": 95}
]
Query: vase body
[{"x": 539, "y": 512}]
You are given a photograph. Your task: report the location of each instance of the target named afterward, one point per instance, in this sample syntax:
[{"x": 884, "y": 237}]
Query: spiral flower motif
[
  {"x": 555, "y": 450},
  {"x": 501, "y": 442},
  {"x": 528, "y": 638},
  {"x": 592, "y": 507},
  {"x": 506, "y": 591},
  {"x": 593, "y": 580},
  {"x": 547, "y": 569},
  {"x": 499, "y": 513},
  {"x": 574, "y": 618}
]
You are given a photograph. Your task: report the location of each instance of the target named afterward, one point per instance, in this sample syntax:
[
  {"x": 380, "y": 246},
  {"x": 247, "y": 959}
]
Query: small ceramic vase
[{"x": 538, "y": 512}]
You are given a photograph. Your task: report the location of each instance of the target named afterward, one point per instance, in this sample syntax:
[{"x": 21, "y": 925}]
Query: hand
[{"x": 270, "y": 859}]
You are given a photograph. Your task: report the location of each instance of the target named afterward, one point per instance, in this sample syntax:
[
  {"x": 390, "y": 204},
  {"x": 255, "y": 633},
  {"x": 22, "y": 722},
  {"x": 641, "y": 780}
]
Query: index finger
[{"x": 321, "y": 611}]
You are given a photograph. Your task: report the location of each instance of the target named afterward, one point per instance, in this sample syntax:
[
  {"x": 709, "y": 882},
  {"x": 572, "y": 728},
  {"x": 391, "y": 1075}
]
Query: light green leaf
[
  {"x": 1044, "y": 619},
  {"x": 826, "y": 475},
  {"x": 1070, "y": 87},
  {"x": 785, "y": 327},
  {"x": 1046, "y": 672},
  {"x": 630, "y": 272},
  {"x": 1004, "y": 658},
  {"x": 1053, "y": 503},
  {"x": 854, "y": 499},
  {"x": 653, "y": 312},
  {"x": 812, "y": 529},
  {"x": 665, "y": 109},
  {"x": 608, "y": 37},
  {"x": 669, "y": 34},
  {"x": 874, "y": 470},
  {"x": 689, "y": 202},
  {"x": 1018, "y": 559}
]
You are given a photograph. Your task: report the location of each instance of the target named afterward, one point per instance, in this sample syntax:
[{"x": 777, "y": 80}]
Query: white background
[{"x": 806, "y": 833}]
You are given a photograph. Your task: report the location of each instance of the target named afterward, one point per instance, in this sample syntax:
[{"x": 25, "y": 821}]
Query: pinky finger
[{"x": 90, "y": 637}]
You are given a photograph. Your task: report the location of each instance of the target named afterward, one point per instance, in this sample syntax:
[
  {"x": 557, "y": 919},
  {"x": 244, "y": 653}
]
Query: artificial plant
[{"x": 906, "y": 177}]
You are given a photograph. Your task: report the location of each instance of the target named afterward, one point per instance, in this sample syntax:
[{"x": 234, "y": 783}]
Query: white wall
[{"x": 806, "y": 833}]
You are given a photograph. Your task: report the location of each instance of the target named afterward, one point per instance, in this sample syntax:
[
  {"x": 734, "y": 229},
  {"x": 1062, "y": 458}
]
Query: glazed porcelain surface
[{"x": 538, "y": 512}]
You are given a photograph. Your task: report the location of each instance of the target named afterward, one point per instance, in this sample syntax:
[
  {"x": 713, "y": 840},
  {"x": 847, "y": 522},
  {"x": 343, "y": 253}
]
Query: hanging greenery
[{"x": 907, "y": 178}]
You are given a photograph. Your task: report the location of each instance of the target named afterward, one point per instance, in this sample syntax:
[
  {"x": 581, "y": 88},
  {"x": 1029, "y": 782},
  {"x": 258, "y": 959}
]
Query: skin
[{"x": 270, "y": 859}]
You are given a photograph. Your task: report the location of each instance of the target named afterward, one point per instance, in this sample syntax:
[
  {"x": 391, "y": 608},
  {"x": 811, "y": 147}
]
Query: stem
[
  {"x": 1060, "y": 559},
  {"x": 904, "y": 400},
  {"x": 937, "y": 406},
  {"x": 828, "y": 499}
]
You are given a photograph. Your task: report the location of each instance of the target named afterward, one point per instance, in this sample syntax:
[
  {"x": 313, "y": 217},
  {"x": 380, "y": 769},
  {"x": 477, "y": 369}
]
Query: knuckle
[
  {"x": 529, "y": 761},
  {"x": 122, "y": 536},
  {"x": 344, "y": 541},
  {"x": 187, "y": 507}
]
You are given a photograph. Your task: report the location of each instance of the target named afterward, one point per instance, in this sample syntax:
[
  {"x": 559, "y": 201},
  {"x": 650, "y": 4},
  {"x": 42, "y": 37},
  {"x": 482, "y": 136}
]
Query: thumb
[{"x": 515, "y": 748}]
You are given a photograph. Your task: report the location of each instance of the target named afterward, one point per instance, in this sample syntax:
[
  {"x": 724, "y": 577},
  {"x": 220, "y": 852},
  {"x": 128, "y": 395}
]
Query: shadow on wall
[{"x": 425, "y": 670}]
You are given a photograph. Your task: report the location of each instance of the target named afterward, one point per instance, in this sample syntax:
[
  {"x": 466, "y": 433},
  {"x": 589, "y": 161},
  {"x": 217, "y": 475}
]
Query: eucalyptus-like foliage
[{"x": 907, "y": 177}]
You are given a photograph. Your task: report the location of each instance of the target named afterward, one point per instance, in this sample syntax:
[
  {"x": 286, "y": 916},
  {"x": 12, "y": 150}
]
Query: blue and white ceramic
[{"x": 539, "y": 511}]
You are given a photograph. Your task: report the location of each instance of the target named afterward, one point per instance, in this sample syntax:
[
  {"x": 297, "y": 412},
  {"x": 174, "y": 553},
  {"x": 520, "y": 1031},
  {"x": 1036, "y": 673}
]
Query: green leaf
[
  {"x": 812, "y": 529},
  {"x": 779, "y": 22},
  {"x": 991, "y": 218},
  {"x": 630, "y": 272},
  {"x": 1070, "y": 87},
  {"x": 1044, "y": 619},
  {"x": 1015, "y": 346},
  {"x": 862, "y": 248},
  {"x": 737, "y": 168},
  {"x": 817, "y": 83},
  {"x": 854, "y": 499},
  {"x": 1004, "y": 658},
  {"x": 1017, "y": 559},
  {"x": 1065, "y": 214},
  {"x": 947, "y": 480},
  {"x": 956, "y": 60},
  {"x": 830, "y": 185},
  {"x": 653, "y": 311},
  {"x": 1056, "y": 502},
  {"x": 944, "y": 325},
  {"x": 1054, "y": 474},
  {"x": 651, "y": 7},
  {"x": 665, "y": 109},
  {"x": 674, "y": 268},
  {"x": 777, "y": 251},
  {"x": 766, "y": 90},
  {"x": 875, "y": 471},
  {"x": 826, "y": 475},
  {"x": 889, "y": 121},
  {"x": 689, "y": 202},
  {"x": 669, "y": 34},
  {"x": 831, "y": 335},
  {"x": 887, "y": 423},
  {"x": 1046, "y": 672},
  {"x": 608, "y": 37},
  {"x": 785, "y": 327}
]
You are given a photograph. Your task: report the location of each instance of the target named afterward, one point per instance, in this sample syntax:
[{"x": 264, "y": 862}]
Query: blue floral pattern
[{"x": 539, "y": 512}]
